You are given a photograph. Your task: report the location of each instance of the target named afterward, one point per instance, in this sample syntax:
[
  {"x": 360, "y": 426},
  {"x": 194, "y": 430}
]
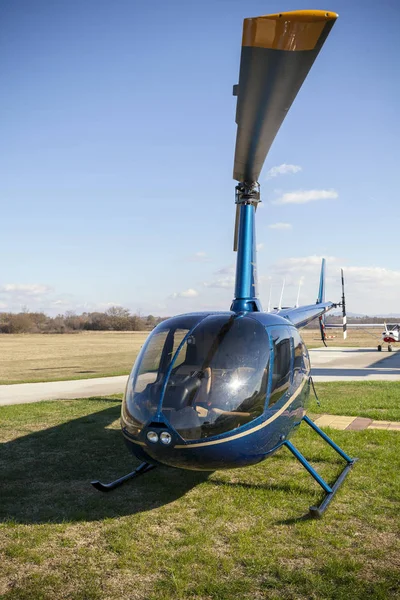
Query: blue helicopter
[{"x": 220, "y": 390}]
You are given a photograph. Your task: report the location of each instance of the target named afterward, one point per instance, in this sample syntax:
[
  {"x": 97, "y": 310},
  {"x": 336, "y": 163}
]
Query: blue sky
[{"x": 116, "y": 157}]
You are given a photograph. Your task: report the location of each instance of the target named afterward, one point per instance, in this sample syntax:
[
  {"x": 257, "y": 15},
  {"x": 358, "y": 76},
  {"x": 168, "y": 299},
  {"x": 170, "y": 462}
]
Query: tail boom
[{"x": 301, "y": 316}]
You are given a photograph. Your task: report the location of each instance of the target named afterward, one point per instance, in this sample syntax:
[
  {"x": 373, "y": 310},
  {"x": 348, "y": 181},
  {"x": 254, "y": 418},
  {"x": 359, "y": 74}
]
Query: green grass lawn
[
  {"x": 238, "y": 534},
  {"x": 373, "y": 399}
]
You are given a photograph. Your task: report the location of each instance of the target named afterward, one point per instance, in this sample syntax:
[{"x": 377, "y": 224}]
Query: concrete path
[
  {"x": 21, "y": 393},
  {"x": 354, "y": 423},
  {"x": 354, "y": 364}
]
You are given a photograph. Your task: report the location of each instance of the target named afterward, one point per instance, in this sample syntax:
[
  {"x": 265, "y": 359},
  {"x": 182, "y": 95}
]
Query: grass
[
  {"x": 28, "y": 358},
  {"x": 373, "y": 399},
  {"x": 58, "y": 357},
  {"x": 173, "y": 534}
]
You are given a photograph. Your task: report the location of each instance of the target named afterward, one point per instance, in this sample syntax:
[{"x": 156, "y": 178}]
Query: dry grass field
[
  {"x": 356, "y": 338},
  {"x": 57, "y": 357}
]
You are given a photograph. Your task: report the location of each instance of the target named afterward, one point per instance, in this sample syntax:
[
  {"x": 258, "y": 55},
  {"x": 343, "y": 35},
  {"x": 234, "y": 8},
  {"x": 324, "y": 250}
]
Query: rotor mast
[
  {"x": 247, "y": 197},
  {"x": 278, "y": 51}
]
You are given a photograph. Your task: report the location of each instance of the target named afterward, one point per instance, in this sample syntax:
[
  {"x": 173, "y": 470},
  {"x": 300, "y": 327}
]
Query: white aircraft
[{"x": 390, "y": 336}]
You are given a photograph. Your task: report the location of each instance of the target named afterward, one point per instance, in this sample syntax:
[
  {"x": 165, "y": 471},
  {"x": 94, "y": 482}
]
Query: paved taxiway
[
  {"x": 22, "y": 393},
  {"x": 354, "y": 364},
  {"x": 328, "y": 364}
]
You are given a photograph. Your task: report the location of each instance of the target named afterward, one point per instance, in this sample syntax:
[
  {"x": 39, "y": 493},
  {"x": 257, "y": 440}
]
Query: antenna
[
  {"x": 281, "y": 298},
  {"x": 269, "y": 299},
  {"x": 298, "y": 292}
]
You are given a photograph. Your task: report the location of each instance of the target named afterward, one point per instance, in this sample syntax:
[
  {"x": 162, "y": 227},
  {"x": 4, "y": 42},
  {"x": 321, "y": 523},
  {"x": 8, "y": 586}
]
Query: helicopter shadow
[
  {"x": 45, "y": 475},
  {"x": 291, "y": 487}
]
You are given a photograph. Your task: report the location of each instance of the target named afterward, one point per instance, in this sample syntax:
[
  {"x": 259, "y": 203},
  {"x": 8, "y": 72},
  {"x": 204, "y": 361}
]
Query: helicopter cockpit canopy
[{"x": 207, "y": 375}]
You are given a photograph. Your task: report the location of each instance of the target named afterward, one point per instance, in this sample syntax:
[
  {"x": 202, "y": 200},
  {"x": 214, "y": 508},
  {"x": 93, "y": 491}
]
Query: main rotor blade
[{"x": 277, "y": 53}]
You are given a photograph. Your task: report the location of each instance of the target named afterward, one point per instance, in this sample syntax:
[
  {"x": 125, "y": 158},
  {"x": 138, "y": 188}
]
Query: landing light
[
  {"x": 152, "y": 436},
  {"x": 165, "y": 438}
]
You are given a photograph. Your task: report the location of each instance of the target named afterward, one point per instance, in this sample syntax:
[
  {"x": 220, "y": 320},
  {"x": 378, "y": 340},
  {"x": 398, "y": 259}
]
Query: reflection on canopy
[{"x": 219, "y": 379}]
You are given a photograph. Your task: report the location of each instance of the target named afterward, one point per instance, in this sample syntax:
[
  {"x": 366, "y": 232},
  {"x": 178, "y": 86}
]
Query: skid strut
[
  {"x": 317, "y": 511},
  {"x": 108, "y": 487}
]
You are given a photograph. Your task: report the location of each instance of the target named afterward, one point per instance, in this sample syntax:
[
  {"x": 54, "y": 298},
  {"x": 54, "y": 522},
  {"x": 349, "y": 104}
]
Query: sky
[{"x": 116, "y": 156}]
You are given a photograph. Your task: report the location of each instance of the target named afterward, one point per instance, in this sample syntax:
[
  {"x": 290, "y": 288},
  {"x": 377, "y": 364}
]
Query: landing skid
[
  {"x": 108, "y": 487},
  {"x": 318, "y": 511}
]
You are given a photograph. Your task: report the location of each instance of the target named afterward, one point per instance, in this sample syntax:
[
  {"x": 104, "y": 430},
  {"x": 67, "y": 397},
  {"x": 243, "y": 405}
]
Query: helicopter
[{"x": 220, "y": 390}]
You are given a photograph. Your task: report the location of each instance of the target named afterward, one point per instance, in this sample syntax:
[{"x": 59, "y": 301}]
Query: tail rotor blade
[
  {"x": 344, "y": 308},
  {"x": 322, "y": 330},
  {"x": 278, "y": 51}
]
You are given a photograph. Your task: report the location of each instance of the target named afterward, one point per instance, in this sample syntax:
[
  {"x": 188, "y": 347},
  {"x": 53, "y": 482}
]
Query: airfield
[{"x": 328, "y": 364}]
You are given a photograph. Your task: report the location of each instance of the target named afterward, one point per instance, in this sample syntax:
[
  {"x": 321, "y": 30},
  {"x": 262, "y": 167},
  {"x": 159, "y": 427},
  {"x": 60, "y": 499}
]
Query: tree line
[
  {"x": 362, "y": 320},
  {"x": 115, "y": 318}
]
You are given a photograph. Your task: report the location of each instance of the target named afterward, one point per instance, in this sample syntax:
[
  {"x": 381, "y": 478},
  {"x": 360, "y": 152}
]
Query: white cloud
[
  {"x": 372, "y": 276},
  {"x": 283, "y": 169},
  {"x": 292, "y": 269},
  {"x": 189, "y": 293},
  {"x": 30, "y": 289},
  {"x": 305, "y": 196},
  {"x": 280, "y": 226},
  {"x": 260, "y": 246},
  {"x": 226, "y": 281},
  {"x": 369, "y": 289},
  {"x": 227, "y": 270},
  {"x": 301, "y": 264}
]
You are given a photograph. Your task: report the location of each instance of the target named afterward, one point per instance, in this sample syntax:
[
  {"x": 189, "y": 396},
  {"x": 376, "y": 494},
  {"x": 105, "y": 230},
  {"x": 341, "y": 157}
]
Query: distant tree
[
  {"x": 74, "y": 322},
  {"x": 151, "y": 322},
  {"x": 20, "y": 323},
  {"x": 137, "y": 323},
  {"x": 119, "y": 318},
  {"x": 98, "y": 321}
]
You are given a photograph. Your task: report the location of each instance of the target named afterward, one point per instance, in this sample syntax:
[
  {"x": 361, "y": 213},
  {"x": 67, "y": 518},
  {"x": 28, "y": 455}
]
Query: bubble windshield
[
  {"x": 219, "y": 378},
  {"x": 146, "y": 381}
]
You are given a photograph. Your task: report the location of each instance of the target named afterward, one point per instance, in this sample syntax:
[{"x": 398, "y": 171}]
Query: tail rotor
[
  {"x": 320, "y": 299},
  {"x": 344, "y": 308},
  {"x": 322, "y": 330}
]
